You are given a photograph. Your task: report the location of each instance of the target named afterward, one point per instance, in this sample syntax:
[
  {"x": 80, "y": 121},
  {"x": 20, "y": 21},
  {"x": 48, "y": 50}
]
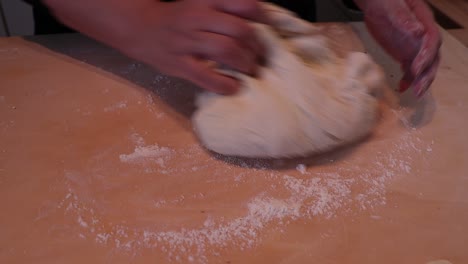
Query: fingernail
[
  {"x": 422, "y": 91},
  {"x": 417, "y": 68},
  {"x": 417, "y": 92}
]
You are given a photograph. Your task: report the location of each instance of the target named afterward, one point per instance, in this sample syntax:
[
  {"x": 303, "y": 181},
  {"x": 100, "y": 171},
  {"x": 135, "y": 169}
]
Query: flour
[
  {"x": 9, "y": 54},
  {"x": 137, "y": 139},
  {"x": 278, "y": 197},
  {"x": 82, "y": 222},
  {"x": 147, "y": 153},
  {"x": 119, "y": 105}
]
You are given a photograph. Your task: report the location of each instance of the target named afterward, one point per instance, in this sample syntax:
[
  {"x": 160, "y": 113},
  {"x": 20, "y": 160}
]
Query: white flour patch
[
  {"x": 137, "y": 139},
  {"x": 276, "y": 199},
  {"x": 10, "y": 53},
  {"x": 82, "y": 222},
  {"x": 150, "y": 153},
  {"x": 119, "y": 105}
]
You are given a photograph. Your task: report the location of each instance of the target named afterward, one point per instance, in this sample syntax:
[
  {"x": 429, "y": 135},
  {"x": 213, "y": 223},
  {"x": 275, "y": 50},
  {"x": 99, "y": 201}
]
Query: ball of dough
[{"x": 304, "y": 100}]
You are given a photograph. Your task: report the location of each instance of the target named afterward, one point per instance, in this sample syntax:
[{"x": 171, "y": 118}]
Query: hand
[
  {"x": 406, "y": 29},
  {"x": 177, "y": 38}
]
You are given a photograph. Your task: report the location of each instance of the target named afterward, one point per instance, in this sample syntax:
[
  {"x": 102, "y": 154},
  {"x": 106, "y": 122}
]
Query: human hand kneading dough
[
  {"x": 408, "y": 32},
  {"x": 176, "y": 38}
]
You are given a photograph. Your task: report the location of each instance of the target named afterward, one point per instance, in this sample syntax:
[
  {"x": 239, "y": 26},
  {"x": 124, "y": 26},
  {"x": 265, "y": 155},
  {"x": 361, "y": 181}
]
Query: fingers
[
  {"x": 432, "y": 40},
  {"x": 405, "y": 20},
  {"x": 225, "y": 51},
  {"x": 227, "y": 39},
  {"x": 204, "y": 76},
  {"x": 425, "y": 64},
  {"x": 424, "y": 81},
  {"x": 428, "y": 52},
  {"x": 248, "y": 9},
  {"x": 238, "y": 29}
]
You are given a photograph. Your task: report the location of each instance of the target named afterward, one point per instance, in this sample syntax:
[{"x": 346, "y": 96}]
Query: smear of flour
[
  {"x": 10, "y": 53},
  {"x": 119, "y": 105},
  {"x": 147, "y": 153},
  {"x": 137, "y": 139},
  {"x": 301, "y": 194}
]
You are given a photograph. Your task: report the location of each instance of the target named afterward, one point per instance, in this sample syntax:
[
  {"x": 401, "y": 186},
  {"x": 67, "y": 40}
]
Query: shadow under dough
[{"x": 311, "y": 160}]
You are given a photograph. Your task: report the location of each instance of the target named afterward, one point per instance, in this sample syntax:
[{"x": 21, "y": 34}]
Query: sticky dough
[{"x": 305, "y": 99}]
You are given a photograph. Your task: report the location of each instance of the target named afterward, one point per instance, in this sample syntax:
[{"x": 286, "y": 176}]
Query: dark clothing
[
  {"x": 305, "y": 8},
  {"x": 45, "y": 23}
]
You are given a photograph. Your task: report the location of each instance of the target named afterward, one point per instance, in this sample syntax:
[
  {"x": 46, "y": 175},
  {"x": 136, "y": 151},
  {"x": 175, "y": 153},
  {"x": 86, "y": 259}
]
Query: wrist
[{"x": 109, "y": 21}]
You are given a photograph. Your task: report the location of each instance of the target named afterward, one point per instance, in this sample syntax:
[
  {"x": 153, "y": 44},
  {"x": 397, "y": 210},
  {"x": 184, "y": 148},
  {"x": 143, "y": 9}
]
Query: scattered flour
[
  {"x": 281, "y": 197},
  {"x": 145, "y": 153},
  {"x": 82, "y": 222},
  {"x": 137, "y": 139},
  {"x": 119, "y": 105}
]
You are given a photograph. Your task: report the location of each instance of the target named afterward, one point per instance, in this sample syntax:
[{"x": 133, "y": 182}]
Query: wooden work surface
[{"x": 98, "y": 164}]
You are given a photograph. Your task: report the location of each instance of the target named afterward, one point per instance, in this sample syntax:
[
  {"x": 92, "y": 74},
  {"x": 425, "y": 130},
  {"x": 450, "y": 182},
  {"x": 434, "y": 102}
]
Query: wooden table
[
  {"x": 456, "y": 10},
  {"x": 98, "y": 164}
]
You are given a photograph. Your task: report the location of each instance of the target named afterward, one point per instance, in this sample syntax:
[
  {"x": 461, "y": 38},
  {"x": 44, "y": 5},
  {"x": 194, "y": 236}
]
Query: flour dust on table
[
  {"x": 200, "y": 210},
  {"x": 305, "y": 100}
]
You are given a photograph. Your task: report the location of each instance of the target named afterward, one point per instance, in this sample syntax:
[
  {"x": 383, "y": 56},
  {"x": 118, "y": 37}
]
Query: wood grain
[{"x": 72, "y": 119}]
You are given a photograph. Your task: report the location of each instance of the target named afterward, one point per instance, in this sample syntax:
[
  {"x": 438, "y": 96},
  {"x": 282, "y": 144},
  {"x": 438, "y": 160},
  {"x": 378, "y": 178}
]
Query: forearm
[{"x": 112, "y": 22}]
